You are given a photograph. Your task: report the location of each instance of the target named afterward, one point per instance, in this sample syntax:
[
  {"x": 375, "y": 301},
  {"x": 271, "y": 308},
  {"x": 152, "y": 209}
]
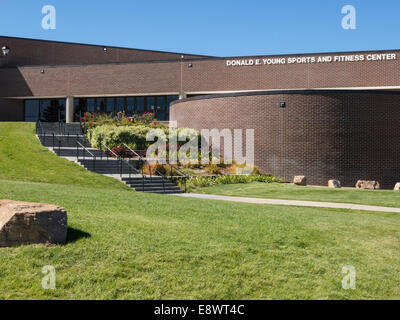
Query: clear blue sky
[{"x": 217, "y": 27}]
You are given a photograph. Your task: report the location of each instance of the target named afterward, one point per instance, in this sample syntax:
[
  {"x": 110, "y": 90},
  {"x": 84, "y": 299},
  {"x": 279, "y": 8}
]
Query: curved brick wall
[{"x": 344, "y": 135}]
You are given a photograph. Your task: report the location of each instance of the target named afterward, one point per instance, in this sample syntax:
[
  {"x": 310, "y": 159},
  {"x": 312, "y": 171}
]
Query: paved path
[{"x": 291, "y": 202}]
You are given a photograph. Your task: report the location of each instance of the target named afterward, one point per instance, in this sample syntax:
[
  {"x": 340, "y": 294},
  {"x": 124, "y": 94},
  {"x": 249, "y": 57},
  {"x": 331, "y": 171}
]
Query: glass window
[
  {"x": 120, "y": 104},
  {"x": 61, "y": 105},
  {"x": 52, "y": 110},
  {"x": 100, "y": 105},
  {"x": 110, "y": 106},
  {"x": 151, "y": 104},
  {"x": 31, "y": 110},
  {"x": 76, "y": 104},
  {"x": 46, "y": 112},
  {"x": 139, "y": 105},
  {"x": 80, "y": 108},
  {"x": 130, "y": 102},
  {"x": 90, "y": 105},
  {"x": 160, "y": 115}
]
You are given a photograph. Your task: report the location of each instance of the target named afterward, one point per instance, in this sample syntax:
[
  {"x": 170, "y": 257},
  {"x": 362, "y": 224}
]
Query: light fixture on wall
[
  {"x": 5, "y": 50},
  {"x": 283, "y": 105},
  {"x": 105, "y": 49},
  {"x": 41, "y": 71},
  {"x": 190, "y": 65}
]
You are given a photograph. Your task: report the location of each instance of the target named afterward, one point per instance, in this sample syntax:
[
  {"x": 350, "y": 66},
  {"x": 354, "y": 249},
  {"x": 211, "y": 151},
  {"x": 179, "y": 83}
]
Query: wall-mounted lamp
[
  {"x": 283, "y": 105},
  {"x": 41, "y": 71},
  {"x": 105, "y": 49},
  {"x": 190, "y": 65},
  {"x": 5, "y": 50}
]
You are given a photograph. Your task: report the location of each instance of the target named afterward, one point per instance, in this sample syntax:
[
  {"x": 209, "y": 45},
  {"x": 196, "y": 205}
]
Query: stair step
[
  {"x": 162, "y": 192},
  {"x": 146, "y": 187},
  {"x": 100, "y": 164}
]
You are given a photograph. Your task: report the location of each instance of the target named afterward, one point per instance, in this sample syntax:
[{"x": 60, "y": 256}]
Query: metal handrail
[
  {"x": 84, "y": 149},
  {"x": 121, "y": 162},
  {"x": 59, "y": 144},
  {"x": 143, "y": 161},
  {"x": 159, "y": 173},
  {"x": 143, "y": 175},
  {"x": 39, "y": 126},
  {"x": 61, "y": 127},
  {"x": 39, "y": 131}
]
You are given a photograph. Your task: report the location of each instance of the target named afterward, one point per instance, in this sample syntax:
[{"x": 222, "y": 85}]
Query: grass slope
[
  {"x": 385, "y": 198},
  {"x": 128, "y": 245},
  {"x": 23, "y": 158}
]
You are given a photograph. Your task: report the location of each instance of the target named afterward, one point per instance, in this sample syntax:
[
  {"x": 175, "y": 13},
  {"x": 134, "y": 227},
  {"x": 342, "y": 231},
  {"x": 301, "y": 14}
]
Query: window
[
  {"x": 130, "y": 105},
  {"x": 100, "y": 106},
  {"x": 120, "y": 104},
  {"x": 31, "y": 110},
  {"x": 44, "y": 112},
  {"x": 90, "y": 105},
  {"x": 139, "y": 105},
  {"x": 161, "y": 108},
  {"x": 61, "y": 104},
  {"x": 110, "y": 106},
  {"x": 80, "y": 107},
  {"x": 151, "y": 104}
]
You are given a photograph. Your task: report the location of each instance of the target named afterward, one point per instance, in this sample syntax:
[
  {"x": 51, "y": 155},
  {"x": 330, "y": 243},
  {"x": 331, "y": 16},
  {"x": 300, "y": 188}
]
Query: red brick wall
[
  {"x": 323, "y": 135},
  {"x": 205, "y": 75},
  {"x": 112, "y": 79},
  {"x": 29, "y": 52},
  {"x": 214, "y": 75},
  {"x": 11, "y": 110}
]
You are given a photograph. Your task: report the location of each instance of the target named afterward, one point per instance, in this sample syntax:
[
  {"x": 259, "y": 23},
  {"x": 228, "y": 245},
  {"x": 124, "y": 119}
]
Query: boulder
[
  {"x": 334, "y": 184},
  {"x": 23, "y": 223},
  {"x": 397, "y": 187},
  {"x": 300, "y": 180},
  {"x": 369, "y": 185}
]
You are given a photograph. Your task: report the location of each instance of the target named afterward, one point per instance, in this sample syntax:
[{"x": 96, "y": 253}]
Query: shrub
[
  {"x": 212, "y": 169},
  {"x": 133, "y": 135},
  {"x": 146, "y": 118},
  {"x": 201, "y": 182},
  {"x": 121, "y": 152},
  {"x": 164, "y": 169},
  {"x": 115, "y": 136}
]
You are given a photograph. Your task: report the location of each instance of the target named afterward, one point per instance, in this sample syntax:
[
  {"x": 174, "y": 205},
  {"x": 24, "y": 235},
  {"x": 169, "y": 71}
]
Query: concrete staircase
[
  {"x": 154, "y": 184},
  {"x": 62, "y": 140}
]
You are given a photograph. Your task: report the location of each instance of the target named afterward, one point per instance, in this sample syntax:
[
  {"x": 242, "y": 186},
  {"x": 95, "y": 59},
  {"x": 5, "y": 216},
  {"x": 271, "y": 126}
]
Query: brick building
[{"x": 330, "y": 115}]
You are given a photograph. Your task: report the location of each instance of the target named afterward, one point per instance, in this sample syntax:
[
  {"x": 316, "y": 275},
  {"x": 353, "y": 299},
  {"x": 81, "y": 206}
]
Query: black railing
[
  {"x": 121, "y": 161},
  {"x": 56, "y": 141},
  {"x": 39, "y": 128},
  {"x": 84, "y": 150},
  {"x": 164, "y": 176}
]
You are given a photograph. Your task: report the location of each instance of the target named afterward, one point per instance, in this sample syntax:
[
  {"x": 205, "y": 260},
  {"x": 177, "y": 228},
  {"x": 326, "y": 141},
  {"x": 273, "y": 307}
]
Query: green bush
[
  {"x": 133, "y": 135},
  {"x": 115, "y": 136},
  {"x": 212, "y": 169},
  {"x": 202, "y": 182}
]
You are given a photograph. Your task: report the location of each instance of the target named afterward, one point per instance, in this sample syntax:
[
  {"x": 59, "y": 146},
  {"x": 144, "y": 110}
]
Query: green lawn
[
  {"x": 127, "y": 245},
  {"x": 22, "y": 158},
  {"x": 385, "y": 198}
]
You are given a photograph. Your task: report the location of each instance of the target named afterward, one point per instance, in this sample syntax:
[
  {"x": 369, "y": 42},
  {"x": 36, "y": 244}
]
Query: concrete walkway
[{"x": 291, "y": 202}]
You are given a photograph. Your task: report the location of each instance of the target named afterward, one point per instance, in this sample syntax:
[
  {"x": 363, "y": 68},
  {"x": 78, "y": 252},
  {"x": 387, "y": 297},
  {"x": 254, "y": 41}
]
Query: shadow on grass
[{"x": 74, "y": 235}]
